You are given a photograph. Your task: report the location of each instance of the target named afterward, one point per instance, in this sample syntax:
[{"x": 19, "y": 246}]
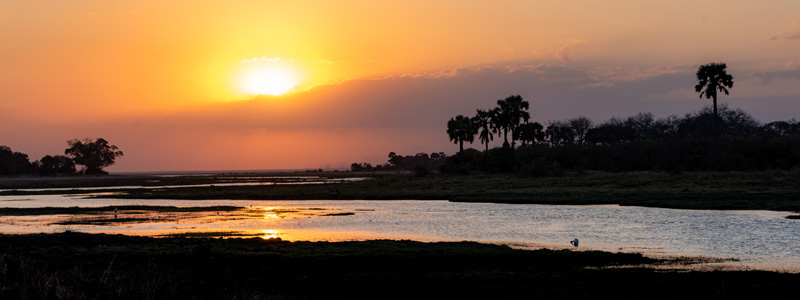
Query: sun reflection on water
[{"x": 270, "y": 234}]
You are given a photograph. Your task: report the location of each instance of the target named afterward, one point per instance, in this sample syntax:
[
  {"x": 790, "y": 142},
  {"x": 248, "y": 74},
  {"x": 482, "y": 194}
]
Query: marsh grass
[
  {"x": 29, "y": 211},
  {"x": 83, "y": 266},
  {"x": 156, "y": 180},
  {"x": 774, "y": 190},
  {"x": 102, "y": 221},
  {"x": 212, "y": 234}
]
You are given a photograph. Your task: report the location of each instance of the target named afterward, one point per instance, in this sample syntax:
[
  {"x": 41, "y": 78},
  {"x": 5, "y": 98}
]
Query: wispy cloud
[
  {"x": 611, "y": 76},
  {"x": 769, "y": 77},
  {"x": 793, "y": 36},
  {"x": 565, "y": 52}
]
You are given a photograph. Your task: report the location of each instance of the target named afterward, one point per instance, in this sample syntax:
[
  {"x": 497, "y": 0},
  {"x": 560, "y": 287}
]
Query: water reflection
[
  {"x": 270, "y": 234},
  {"x": 759, "y": 239}
]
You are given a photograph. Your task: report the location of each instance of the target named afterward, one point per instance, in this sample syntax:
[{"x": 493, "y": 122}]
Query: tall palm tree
[
  {"x": 712, "y": 78},
  {"x": 461, "y": 129},
  {"x": 510, "y": 114},
  {"x": 483, "y": 122}
]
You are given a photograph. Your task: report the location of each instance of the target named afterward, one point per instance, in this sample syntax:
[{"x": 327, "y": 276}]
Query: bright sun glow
[
  {"x": 270, "y": 234},
  {"x": 268, "y": 80}
]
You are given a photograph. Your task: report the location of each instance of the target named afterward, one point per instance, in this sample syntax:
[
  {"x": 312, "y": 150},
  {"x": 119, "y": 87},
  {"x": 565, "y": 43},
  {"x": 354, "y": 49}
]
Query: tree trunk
[
  {"x": 460, "y": 146},
  {"x": 513, "y": 142},
  {"x": 505, "y": 138},
  {"x": 715, "y": 133}
]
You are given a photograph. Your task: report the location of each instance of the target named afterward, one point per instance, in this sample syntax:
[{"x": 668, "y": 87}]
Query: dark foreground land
[
  {"x": 772, "y": 190},
  {"x": 83, "y": 266}
]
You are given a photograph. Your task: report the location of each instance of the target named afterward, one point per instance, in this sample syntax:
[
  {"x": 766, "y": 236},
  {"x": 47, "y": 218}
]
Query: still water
[{"x": 757, "y": 239}]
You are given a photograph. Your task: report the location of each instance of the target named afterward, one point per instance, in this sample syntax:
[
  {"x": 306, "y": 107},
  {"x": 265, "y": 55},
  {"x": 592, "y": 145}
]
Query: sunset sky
[{"x": 173, "y": 83}]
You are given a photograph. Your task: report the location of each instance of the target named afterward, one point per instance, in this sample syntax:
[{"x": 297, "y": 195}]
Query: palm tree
[
  {"x": 461, "y": 129},
  {"x": 483, "y": 122},
  {"x": 510, "y": 113},
  {"x": 710, "y": 79}
]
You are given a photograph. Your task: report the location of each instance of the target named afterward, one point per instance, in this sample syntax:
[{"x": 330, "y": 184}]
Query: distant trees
[
  {"x": 636, "y": 143},
  {"x": 461, "y": 129},
  {"x": 509, "y": 114},
  {"x": 93, "y": 155},
  {"x": 529, "y": 133},
  {"x": 483, "y": 122},
  {"x": 13, "y": 163},
  {"x": 712, "y": 78},
  {"x": 420, "y": 163},
  {"x": 56, "y": 165},
  {"x": 509, "y": 117}
]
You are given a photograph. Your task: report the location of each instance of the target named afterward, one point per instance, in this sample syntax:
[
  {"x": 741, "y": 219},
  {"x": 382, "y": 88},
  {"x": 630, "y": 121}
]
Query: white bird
[{"x": 574, "y": 242}]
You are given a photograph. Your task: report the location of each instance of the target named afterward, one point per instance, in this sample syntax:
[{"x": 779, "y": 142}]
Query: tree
[
  {"x": 510, "y": 114},
  {"x": 93, "y": 155},
  {"x": 530, "y": 132},
  {"x": 461, "y": 129},
  {"x": 559, "y": 133},
  {"x": 53, "y": 165},
  {"x": 580, "y": 127},
  {"x": 712, "y": 78},
  {"x": 483, "y": 121},
  {"x": 396, "y": 160},
  {"x": 13, "y": 163}
]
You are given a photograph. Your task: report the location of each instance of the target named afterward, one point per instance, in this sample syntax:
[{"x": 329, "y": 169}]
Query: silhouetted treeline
[
  {"x": 642, "y": 142},
  {"x": 421, "y": 163},
  {"x": 94, "y": 155}
]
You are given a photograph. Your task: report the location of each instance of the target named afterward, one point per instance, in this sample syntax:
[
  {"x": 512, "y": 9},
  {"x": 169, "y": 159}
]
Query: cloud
[
  {"x": 364, "y": 119},
  {"x": 769, "y": 77},
  {"x": 424, "y": 101},
  {"x": 565, "y": 52},
  {"x": 788, "y": 36},
  {"x": 610, "y": 76}
]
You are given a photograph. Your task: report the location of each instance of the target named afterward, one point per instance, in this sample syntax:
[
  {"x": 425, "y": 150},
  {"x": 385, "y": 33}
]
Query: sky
[{"x": 188, "y": 85}]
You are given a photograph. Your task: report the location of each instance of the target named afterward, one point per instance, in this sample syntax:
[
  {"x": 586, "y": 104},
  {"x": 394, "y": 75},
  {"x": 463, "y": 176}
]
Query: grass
[
  {"x": 212, "y": 234},
  {"x": 11, "y": 211},
  {"x": 767, "y": 190},
  {"x": 81, "y": 266},
  {"x": 155, "y": 180},
  {"x": 756, "y": 190}
]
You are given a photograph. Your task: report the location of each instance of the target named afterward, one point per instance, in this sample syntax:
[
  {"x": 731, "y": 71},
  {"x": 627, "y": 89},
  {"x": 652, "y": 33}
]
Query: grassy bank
[
  {"x": 65, "y": 182},
  {"x": 773, "y": 190},
  {"x": 35, "y": 211},
  {"x": 81, "y": 266},
  {"x": 756, "y": 190}
]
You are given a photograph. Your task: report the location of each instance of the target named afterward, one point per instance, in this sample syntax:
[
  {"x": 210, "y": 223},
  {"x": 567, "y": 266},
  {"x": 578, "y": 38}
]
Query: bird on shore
[{"x": 574, "y": 242}]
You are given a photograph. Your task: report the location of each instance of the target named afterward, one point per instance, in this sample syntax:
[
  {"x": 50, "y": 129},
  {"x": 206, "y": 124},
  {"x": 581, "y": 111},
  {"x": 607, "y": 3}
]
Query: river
[{"x": 755, "y": 239}]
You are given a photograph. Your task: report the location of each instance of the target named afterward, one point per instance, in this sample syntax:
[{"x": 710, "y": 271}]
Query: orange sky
[{"x": 163, "y": 79}]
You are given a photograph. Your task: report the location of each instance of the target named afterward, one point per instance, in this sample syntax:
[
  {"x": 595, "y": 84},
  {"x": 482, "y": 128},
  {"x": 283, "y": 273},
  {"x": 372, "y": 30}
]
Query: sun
[{"x": 268, "y": 80}]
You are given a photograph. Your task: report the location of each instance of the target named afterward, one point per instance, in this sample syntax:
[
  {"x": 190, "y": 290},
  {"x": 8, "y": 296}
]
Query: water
[{"x": 757, "y": 239}]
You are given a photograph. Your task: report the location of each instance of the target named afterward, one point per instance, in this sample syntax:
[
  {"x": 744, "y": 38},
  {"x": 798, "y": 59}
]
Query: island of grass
[
  {"x": 769, "y": 190},
  {"x": 83, "y": 266}
]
